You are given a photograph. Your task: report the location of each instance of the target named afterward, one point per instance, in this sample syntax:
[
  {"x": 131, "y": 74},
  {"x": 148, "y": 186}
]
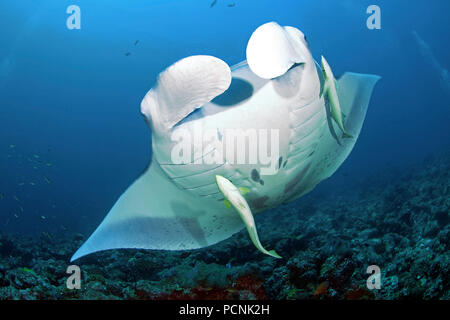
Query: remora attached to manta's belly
[{"x": 273, "y": 99}]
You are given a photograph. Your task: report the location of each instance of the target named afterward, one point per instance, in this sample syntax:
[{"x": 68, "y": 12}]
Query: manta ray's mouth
[{"x": 239, "y": 91}]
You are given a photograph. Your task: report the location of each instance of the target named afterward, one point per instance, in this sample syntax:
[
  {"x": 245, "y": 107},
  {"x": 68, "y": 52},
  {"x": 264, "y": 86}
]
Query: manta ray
[{"x": 179, "y": 205}]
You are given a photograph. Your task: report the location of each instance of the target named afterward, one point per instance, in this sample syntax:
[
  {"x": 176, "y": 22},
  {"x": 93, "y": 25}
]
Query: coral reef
[{"x": 398, "y": 220}]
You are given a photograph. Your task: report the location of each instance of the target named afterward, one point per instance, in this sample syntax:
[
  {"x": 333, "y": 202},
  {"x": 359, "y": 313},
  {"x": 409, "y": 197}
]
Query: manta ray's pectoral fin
[
  {"x": 153, "y": 213},
  {"x": 354, "y": 92},
  {"x": 183, "y": 87},
  {"x": 272, "y": 50}
]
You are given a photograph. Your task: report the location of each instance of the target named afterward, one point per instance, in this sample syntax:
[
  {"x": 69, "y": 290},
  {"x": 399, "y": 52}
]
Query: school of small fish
[{"x": 24, "y": 161}]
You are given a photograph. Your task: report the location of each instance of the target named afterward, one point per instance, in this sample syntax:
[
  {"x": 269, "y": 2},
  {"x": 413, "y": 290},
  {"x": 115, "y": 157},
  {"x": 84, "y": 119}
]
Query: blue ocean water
[{"x": 71, "y": 134}]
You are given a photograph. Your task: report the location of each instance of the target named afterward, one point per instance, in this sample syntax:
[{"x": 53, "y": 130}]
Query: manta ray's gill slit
[
  {"x": 301, "y": 107},
  {"x": 198, "y": 187},
  {"x": 216, "y": 197},
  {"x": 301, "y": 139},
  {"x": 201, "y": 157},
  {"x": 198, "y": 173},
  {"x": 210, "y": 194},
  {"x": 189, "y": 163},
  {"x": 210, "y": 188},
  {"x": 301, "y": 153},
  {"x": 297, "y": 161},
  {"x": 299, "y": 116},
  {"x": 306, "y": 129},
  {"x": 297, "y": 179},
  {"x": 210, "y": 184},
  {"x": 295, "y": 152}
]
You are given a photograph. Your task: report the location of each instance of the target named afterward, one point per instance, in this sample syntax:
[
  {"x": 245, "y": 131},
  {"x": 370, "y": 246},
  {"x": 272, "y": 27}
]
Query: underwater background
[{"x": 72, "y": 140}]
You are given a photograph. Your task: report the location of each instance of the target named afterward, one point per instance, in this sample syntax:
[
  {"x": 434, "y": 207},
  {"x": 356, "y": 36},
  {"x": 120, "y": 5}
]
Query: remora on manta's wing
[
  {"x": 330, "y": 89},
  {"x": 178, "y": 205}
]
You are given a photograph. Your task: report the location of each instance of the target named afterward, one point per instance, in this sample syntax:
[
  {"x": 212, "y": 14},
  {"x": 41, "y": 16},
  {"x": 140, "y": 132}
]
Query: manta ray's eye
[{"x": 306, "y": 40}]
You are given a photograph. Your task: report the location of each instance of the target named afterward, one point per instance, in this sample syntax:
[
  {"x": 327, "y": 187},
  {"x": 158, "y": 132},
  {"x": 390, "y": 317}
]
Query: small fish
[
  {"x": 12, "y": 146},
  {"x": 47, "y": 180},
  {"x": 43, "y": 217},
  {"x": 48, "y": 164},
  {"x": 213, "y": 3},
  {"x": 136, "y": 42},
  {"x": 21, "y": 208},
  {"x": 127, "y": 54},
  {"x": 230, "y": 5},
  {"x": 1, "y": 196},
  {"x": 16, "y": 216},
  {"x": 32, "y": 183},
  {"x": 36, "y": 156},
  {"x": 21, "y": 183},
  {"x": 15, "y": 198}
]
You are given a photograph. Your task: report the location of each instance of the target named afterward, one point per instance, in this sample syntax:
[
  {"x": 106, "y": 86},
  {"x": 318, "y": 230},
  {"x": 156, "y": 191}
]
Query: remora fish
[
  {"x": 234, "y": 196},
  {"x": 330, "y": 89}
]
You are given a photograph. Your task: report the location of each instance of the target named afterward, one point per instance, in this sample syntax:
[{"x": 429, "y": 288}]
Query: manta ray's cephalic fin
[
  {"x": 183, "y": 87},
  {"x": 272, "y": 50}
]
